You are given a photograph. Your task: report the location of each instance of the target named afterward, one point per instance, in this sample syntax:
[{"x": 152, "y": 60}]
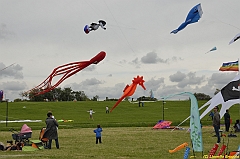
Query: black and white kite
[
  {"x": 235, "y": 38},
  {"x": 227, "y": 97},
  {"x": 94, "y": 26}
]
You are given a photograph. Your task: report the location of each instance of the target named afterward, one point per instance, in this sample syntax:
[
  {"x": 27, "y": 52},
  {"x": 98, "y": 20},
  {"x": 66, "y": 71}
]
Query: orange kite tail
[
  {"x": 178, "y": 148},
  {"x": 116, "y": 104},
  {"x": 128, "y": 91}
]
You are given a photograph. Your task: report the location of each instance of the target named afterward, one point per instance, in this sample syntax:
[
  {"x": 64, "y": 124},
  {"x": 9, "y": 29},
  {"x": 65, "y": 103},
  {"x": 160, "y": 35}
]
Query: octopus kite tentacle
[{"x": 65, "y": 71}]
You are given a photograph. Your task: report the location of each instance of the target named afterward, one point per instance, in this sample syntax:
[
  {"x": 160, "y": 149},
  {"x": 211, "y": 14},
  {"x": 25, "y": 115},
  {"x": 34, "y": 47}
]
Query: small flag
[{"x": 229, "y": 66}]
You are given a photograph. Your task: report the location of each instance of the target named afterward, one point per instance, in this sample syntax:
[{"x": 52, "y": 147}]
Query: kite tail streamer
[
  {"x": 120, "y": 99},
  {"x": 186, "y": 153},
  {"x": 213, "y": 151},
  {"x": 222, "y": 150},
  {"x": 178, "y": 148}
]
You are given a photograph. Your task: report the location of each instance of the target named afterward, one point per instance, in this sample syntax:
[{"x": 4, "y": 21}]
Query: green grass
[
  {"x": 127, "y": 131},
  {"x": 124, "y": 115},
  {"x": 122, "y": 143}
]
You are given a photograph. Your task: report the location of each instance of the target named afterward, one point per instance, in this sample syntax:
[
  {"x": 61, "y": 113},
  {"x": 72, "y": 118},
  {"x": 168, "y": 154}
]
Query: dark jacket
[
  {"x": 51, "y": 128},
  {"x": 216, "y": 119},
  {"x": 227, "y": 117}
]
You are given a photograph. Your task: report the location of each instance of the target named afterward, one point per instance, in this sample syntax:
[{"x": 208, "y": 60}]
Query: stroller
[
  {"x": 42, "y": 138},
  {"x": 22, "y": 136}
]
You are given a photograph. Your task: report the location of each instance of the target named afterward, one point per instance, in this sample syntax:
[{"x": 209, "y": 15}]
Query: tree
[
  {"x": 95, "y": 98},
  {"x": 80, "y": 95},
  {"x": 143, "y": 98},
  {"x": 57, "y": 94},
  {"x": 202, "y": 96},
  {"x": 66, "y": 94}
]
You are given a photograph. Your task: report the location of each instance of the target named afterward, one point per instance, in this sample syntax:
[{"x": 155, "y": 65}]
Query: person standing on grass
[
  {"x": 216, "y": 123},
  {"x": 227, "y": 120},
  {"x": 98, "y": 134},
  {"x": 91, "y": 114},
  {"x": 107, "y": 110},
  {"x": 51, "y": 131}
]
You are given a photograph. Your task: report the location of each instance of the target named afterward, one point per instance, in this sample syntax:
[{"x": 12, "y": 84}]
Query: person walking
[
  {"x": 216, "y": 123},
  {"x": 227, "y": 120},
  {"x": 98, "y": 134},
  {"x": 51, "y": 131}
]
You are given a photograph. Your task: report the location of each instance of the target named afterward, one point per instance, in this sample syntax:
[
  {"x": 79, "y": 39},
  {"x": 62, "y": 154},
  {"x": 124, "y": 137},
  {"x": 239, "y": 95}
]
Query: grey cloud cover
[
  {"x": 13, "y": 70},
  {"x": 40, "y": 35}
]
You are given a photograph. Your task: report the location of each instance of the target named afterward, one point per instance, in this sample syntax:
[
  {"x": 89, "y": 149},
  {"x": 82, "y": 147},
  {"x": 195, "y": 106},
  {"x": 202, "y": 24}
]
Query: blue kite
[
  {"x": 193, "y": 16},
  {"x": 213, "y": 49}
]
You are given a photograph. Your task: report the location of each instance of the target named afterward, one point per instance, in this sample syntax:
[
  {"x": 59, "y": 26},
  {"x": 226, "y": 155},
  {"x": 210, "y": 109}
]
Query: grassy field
[{"x": 127, "y": 131}]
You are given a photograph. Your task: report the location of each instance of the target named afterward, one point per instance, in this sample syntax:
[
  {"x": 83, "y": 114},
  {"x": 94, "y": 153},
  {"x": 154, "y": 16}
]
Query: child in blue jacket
[{"x": 98, "y": 134}]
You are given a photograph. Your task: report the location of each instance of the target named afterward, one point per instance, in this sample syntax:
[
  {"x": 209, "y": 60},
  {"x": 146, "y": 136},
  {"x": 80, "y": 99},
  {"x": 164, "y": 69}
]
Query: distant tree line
[
  {"x": 202, "y": 96},
  {"x": 143, "y": 98},
  {"x": 111, "y": 99},
  {"x": 58, "y": 94},
  {"x": 67, "y": 94}
]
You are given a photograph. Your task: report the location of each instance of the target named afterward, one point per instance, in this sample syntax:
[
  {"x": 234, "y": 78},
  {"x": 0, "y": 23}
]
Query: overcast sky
[{"x": 37, "y": 36}]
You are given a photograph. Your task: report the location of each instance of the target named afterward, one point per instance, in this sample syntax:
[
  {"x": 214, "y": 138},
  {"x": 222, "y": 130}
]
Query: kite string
[
  {"x": 224, "y": 22},
  {"x": 120, "y": 28},
  {"x": 7, "y": 67},
  {"x": 127, "y": 41},
  {"x": 234, "y": 15}
]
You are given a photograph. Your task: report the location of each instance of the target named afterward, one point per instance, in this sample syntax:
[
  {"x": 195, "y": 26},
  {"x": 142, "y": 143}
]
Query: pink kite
[{"x": 162, "y": 124}]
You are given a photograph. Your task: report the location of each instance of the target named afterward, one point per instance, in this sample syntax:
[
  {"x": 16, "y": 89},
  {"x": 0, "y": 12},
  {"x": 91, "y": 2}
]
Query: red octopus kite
[
  {"x": 65, "y": 71},
  {"x": 129, "y": 90}
]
